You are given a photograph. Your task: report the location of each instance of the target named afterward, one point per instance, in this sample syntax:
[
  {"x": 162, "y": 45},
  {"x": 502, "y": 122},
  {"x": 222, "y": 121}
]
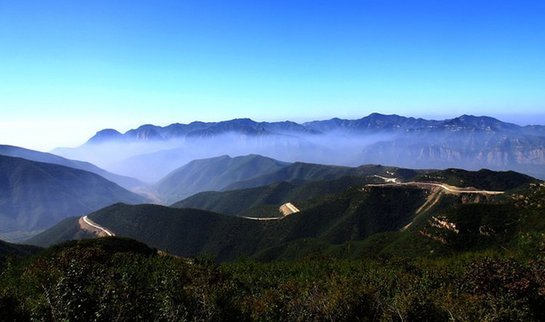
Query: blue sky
[{"x": 70, "y": 68}]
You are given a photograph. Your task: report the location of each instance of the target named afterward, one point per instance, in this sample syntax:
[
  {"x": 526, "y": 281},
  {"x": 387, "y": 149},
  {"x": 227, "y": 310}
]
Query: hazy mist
[{"x": 153, "y": 159}]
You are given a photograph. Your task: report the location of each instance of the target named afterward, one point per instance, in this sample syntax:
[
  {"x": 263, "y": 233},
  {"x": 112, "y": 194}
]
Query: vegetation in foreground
[{"x": 120, "y": 279}]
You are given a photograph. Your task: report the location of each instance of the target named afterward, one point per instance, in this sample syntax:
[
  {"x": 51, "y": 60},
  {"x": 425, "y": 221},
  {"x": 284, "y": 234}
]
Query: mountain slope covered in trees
[{"x": 329, "y": 221}]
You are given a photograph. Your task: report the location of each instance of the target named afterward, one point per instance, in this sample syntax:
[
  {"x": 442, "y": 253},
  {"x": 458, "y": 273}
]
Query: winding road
[
  {"x": 435, "y": 196},
  {"x": 262, "y": 218},
  {"x": 447, "y": 188},
  {"x": 96, "y": 226},
  {"x": 286, "y": 210}
]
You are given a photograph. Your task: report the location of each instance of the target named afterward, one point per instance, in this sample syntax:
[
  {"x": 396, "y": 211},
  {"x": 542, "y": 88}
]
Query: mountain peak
[
  {"x": 246, "y": 127},
  {"x": 104, "y": 136},
  {"x": 485, "y": 123}
]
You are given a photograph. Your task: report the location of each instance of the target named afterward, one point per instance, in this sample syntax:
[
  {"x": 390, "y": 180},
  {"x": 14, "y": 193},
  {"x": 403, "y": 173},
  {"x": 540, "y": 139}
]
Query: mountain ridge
[
  {"x": 471, "y": 142},
  {"x": 32, "y": 155},
  {"x": 374, "y": 121},
  {"x": 418, "y": 210},
  {"x": 213, "y": 174},
  {"x": 35, "y": 195}
]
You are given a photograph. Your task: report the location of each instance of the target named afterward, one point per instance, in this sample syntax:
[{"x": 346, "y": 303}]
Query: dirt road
[
  {"x": 430, "y": 185},
  {"x": 89, "y": 225}
]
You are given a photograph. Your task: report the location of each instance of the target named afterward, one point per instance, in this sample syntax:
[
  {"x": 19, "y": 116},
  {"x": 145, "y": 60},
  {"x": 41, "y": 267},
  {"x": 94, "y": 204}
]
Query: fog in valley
[{"x": 150, "y": 160}]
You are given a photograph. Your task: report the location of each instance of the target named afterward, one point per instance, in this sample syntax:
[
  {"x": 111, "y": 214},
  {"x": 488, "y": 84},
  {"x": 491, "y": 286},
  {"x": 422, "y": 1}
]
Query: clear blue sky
[{"x": 69, "y": 68}]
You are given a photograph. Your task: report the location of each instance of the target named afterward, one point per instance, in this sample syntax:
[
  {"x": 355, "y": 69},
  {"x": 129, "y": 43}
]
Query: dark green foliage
[
  {"x": 308, "y": 172},
  {"x": 508, "y": 288},
  {"x": 184, "y": 232},
  {"x": 246, "y": 201},
  {"x": 119, "y": 279},
  {"x": 297, "y": 171},
  {"x": 335, "y": 224},
  {"x": 482, "y": 225},
  {"x": 9, "y": 251},
  {"x": 345, "y": 257},
  {"x": 349, "y": 216},
  {"x": 112, "y": 279},
  {"x": 16, "y": 249},
  {"x": 482, "y": 179}
]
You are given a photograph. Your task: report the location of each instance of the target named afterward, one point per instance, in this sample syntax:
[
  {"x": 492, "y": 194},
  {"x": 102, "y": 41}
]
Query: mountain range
[
  {"x": 18, "y": 152},
  {"x": 330, "y": 217},
  {"x": 372, "y": 123},
  {"x": 150, "y": 152},
  {"x": 305, "y": 233},
  {"x": 36, "y": 195}
]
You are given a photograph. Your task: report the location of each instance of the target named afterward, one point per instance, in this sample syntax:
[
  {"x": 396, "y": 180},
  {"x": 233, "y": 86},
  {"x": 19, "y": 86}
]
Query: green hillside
[
  {"x": 34, "y": 195},
  {"x": 482, "y": 179},
  {"x": 330, "y": 222},
  {"x": 294, "y": 172},
  {"x": 304, "y": 182},
  {"x": 66, "y": 229},
  {"x": 351, "y": 215},
  {"x": 125, "y": 280},
  {"x": 301, "y": 172},
  {"x": 295, "y": 182},
  {"x": 456, "y": 224},
  {"x": 266, "y": 198},
  {"x": 213, "y": 174},
  {"x": 183, "y": 232}
]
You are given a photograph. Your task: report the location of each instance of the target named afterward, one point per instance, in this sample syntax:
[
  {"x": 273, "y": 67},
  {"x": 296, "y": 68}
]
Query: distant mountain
[
  {"x": 470, "y": 142},
  {"x": 36, "y": 195},
  {"x": 213, "y": 174},
  {"x": 105, "y": 136},
  {"x": 246, "y": 126},
  {"x": 14, "y": 151},
  {"x": 374, "y": 122}
]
